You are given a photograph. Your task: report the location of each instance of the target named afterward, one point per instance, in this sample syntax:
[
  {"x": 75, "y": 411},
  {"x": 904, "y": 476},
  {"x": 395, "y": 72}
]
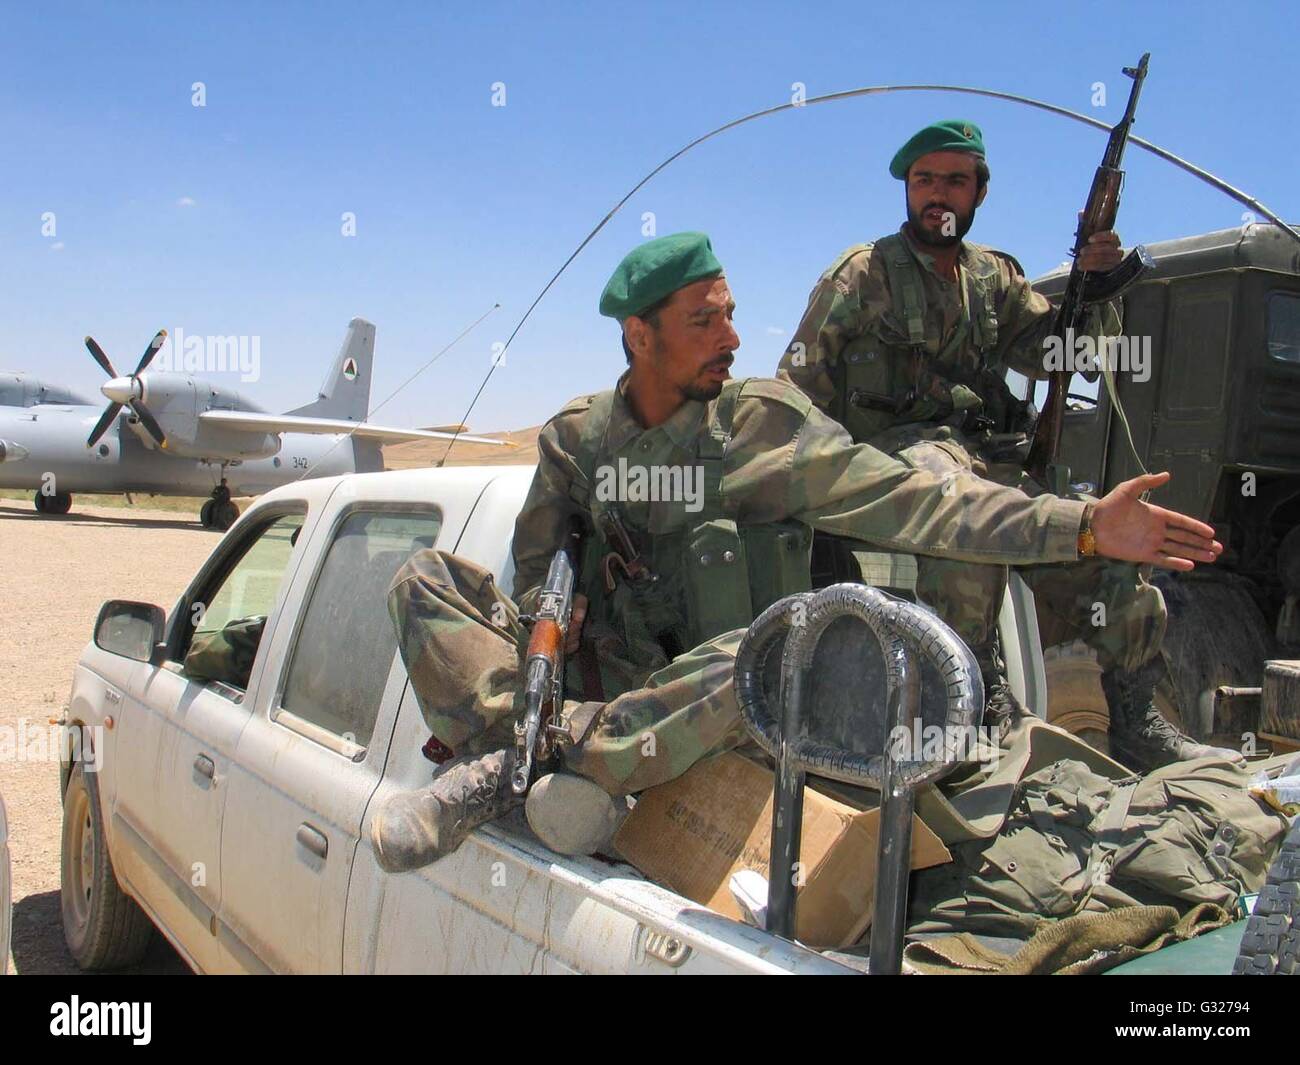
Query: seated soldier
[{"x": 749, "y": 466}]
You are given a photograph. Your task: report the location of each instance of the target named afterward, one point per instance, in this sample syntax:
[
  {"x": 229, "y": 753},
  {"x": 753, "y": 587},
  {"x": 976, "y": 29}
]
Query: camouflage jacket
[
  {"x": 853, "y": 336},
  {"x": 785, "y": 460}
]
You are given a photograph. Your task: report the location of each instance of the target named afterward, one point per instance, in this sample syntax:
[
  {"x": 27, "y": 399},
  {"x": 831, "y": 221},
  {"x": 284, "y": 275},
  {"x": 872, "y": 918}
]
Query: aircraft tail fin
[{"x": 345, "y": 393}]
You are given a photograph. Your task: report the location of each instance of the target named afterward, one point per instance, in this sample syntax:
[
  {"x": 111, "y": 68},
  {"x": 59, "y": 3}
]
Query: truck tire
[
  {"x": 1271, "y": 944},
  {"x": 102, "y": 925}
]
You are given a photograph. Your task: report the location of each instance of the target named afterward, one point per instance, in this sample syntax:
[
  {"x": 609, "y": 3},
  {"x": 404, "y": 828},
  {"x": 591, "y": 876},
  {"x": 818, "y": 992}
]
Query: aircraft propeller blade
[
  {"x": 98, "y": 353},
  {"x": 154, "y": 347},
  {"x": 105, "y": 420},
  {"x": 149, "y": 422}
]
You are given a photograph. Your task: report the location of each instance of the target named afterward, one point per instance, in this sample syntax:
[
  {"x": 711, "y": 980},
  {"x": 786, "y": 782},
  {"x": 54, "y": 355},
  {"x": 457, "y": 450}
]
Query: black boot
[
  {"x": 415, "y": 828},
  {"x": 1140, "y": 735},
  {"x": 1002, "y": 710}
]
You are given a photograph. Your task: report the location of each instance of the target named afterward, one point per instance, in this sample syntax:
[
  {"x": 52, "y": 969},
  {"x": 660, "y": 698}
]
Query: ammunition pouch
[
  {"x": 708, "y": 575},
  {"x": 889, "y": 378},
  {"x": 735, "y": 573}
]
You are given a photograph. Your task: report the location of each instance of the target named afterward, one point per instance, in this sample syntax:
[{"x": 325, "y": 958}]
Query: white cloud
[
  {"x": 57, "y": 246},
  {"x": 775, "y": 331},
  {"x": 185, "y": 201}
]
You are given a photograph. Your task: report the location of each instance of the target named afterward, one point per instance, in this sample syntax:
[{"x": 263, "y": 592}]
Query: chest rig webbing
[
  {"x": 695, "y": 575},
  {"x": 882, "y": 384}
]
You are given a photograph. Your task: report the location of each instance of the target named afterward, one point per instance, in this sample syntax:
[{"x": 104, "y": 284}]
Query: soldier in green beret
[
  {"x": 716, "y": 484},
  {"x": 906, "y": 342}
]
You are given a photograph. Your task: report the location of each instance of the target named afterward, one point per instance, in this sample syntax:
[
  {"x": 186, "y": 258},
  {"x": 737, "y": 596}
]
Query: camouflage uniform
[
  {"x": 226, "y": 654},
  {"x": 659, "y": 712},
  {"x": 922, "y": 380}
]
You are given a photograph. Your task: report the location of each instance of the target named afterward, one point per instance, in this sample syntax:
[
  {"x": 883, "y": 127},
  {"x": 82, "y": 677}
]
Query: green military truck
[{"x": 1209, "y": 377}]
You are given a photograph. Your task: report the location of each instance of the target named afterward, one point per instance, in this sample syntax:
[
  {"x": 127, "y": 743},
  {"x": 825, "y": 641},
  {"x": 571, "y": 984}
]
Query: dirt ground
[{"x": 55, "y": 572}]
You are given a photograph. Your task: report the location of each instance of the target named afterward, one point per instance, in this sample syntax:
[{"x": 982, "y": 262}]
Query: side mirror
[{"x": 132, "y": 630}]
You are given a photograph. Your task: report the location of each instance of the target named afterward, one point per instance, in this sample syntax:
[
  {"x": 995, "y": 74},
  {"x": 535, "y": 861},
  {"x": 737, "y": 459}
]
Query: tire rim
[
  {"x": 81, "y": 860},
  {"x": 1091, "y": 726}
]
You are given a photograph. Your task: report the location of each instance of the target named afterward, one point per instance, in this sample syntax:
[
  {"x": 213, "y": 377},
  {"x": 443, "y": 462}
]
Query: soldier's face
[
  {"x": 942, "y": 197},
  {"x": 693, "y": 348}
]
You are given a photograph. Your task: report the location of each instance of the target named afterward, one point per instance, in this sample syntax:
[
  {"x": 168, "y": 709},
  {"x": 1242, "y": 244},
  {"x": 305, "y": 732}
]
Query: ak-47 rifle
[
  {"x": 537, "y": 735},
  {"x": 1084, "y": 288}
]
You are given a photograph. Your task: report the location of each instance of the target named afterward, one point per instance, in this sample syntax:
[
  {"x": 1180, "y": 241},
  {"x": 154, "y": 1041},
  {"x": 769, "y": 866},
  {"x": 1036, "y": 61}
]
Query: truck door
[
  {"x": 312, "y": 755},
  {"x": 179, "y": 730}
]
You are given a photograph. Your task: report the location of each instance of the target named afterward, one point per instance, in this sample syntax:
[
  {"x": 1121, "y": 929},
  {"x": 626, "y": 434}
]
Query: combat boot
[
  {"x": 415, "y": 828},
  {"x": 1140, "y": 735},
  {"x": 1002, "y": 710}
]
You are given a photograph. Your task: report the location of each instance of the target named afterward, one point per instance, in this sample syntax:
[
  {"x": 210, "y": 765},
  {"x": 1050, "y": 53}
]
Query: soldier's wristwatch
[{"x": 1087, "y": 544}]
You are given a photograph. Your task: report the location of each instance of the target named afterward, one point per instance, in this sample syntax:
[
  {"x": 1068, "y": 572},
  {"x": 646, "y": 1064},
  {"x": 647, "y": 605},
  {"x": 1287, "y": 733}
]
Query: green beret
[
  {"x": 951, "y": 135},
  {"x": 657, "y": 269}
]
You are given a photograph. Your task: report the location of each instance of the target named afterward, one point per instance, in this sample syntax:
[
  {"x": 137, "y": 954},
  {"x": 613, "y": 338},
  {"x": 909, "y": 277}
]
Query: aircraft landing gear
[
  {"x": 219, "y": 512},
  {"x": 59, "y": 503}
]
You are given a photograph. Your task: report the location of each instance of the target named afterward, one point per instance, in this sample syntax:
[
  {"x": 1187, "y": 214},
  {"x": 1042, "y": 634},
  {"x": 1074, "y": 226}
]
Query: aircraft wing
[{"x": 256, "y": 422}]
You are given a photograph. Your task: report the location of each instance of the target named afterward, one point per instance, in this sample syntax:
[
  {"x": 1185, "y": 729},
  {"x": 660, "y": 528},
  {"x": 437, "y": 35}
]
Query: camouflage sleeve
[
  {"x": 544, "y": 520},
  {"x": 1025, "y": 319},
  {"x": 834, "y": 317},
  {"x": 798, "y": 463}
]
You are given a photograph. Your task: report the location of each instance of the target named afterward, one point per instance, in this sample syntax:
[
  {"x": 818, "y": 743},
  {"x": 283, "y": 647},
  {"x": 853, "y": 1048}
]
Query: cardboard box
[{"x": 694, "y": 832}]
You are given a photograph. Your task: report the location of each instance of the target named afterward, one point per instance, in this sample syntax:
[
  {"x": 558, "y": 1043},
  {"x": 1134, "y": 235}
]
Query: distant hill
[{"x": 521, "y": 451}]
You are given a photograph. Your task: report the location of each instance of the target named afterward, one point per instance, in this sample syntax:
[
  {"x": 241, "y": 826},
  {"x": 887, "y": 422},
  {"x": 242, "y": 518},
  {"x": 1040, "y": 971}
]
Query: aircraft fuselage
[{"x": 54, "y": 437}]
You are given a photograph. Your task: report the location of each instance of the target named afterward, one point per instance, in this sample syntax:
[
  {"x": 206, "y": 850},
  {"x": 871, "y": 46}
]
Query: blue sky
[{"x": 226, "y": 219}]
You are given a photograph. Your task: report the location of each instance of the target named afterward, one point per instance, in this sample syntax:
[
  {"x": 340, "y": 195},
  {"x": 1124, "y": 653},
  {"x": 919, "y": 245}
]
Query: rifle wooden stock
[
  {"x": 547, "y": 640},
  {"x": 544, "y": 672}
]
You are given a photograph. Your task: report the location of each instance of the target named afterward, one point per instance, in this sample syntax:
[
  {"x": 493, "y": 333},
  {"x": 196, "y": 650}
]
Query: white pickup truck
[
  {"x": 233, "y": 813},
  {"x": 234, "y": 817}
]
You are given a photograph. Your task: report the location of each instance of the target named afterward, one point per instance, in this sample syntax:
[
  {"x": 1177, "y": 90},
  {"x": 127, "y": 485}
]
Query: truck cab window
[
  {"x": 1284, "y": 326},
  {"x": 228, "y": 628},
  {"x": 344, "y": 649}
]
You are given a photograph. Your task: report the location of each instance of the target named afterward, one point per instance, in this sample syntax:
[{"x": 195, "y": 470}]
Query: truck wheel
[
  {"x": 1271, "y": 945},
  {"x": 1075, "y": 701},
  {"x": 102, "y": 925}
]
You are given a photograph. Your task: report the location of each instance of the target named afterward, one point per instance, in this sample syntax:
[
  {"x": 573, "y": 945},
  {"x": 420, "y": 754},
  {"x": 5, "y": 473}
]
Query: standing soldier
[
  {"x": 905, "y": 342},
  {"x": 669, "y": 582}
]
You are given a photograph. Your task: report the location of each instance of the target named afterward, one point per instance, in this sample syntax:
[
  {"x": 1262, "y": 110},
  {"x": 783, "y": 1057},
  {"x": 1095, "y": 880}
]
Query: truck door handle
[
  {"x": 313, "y": 839},
  {"x": 205, "y": 767}
]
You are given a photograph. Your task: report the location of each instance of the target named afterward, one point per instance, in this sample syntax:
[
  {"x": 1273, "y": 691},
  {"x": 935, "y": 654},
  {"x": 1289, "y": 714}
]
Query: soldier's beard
[
  {"x": 703, "y": 391},
  {"x": 710, "y": 390},
  {"x": 933, "y": 237}
]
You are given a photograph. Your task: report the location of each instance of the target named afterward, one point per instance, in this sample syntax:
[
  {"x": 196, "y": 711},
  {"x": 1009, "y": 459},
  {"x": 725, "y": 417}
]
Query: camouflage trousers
[
  {"x": 1108, "y": 604},
  {"x": 462, "y": 641}
]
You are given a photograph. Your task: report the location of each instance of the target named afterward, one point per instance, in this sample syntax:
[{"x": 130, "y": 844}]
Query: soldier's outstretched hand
[{"x": 1129, "y": 529}]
